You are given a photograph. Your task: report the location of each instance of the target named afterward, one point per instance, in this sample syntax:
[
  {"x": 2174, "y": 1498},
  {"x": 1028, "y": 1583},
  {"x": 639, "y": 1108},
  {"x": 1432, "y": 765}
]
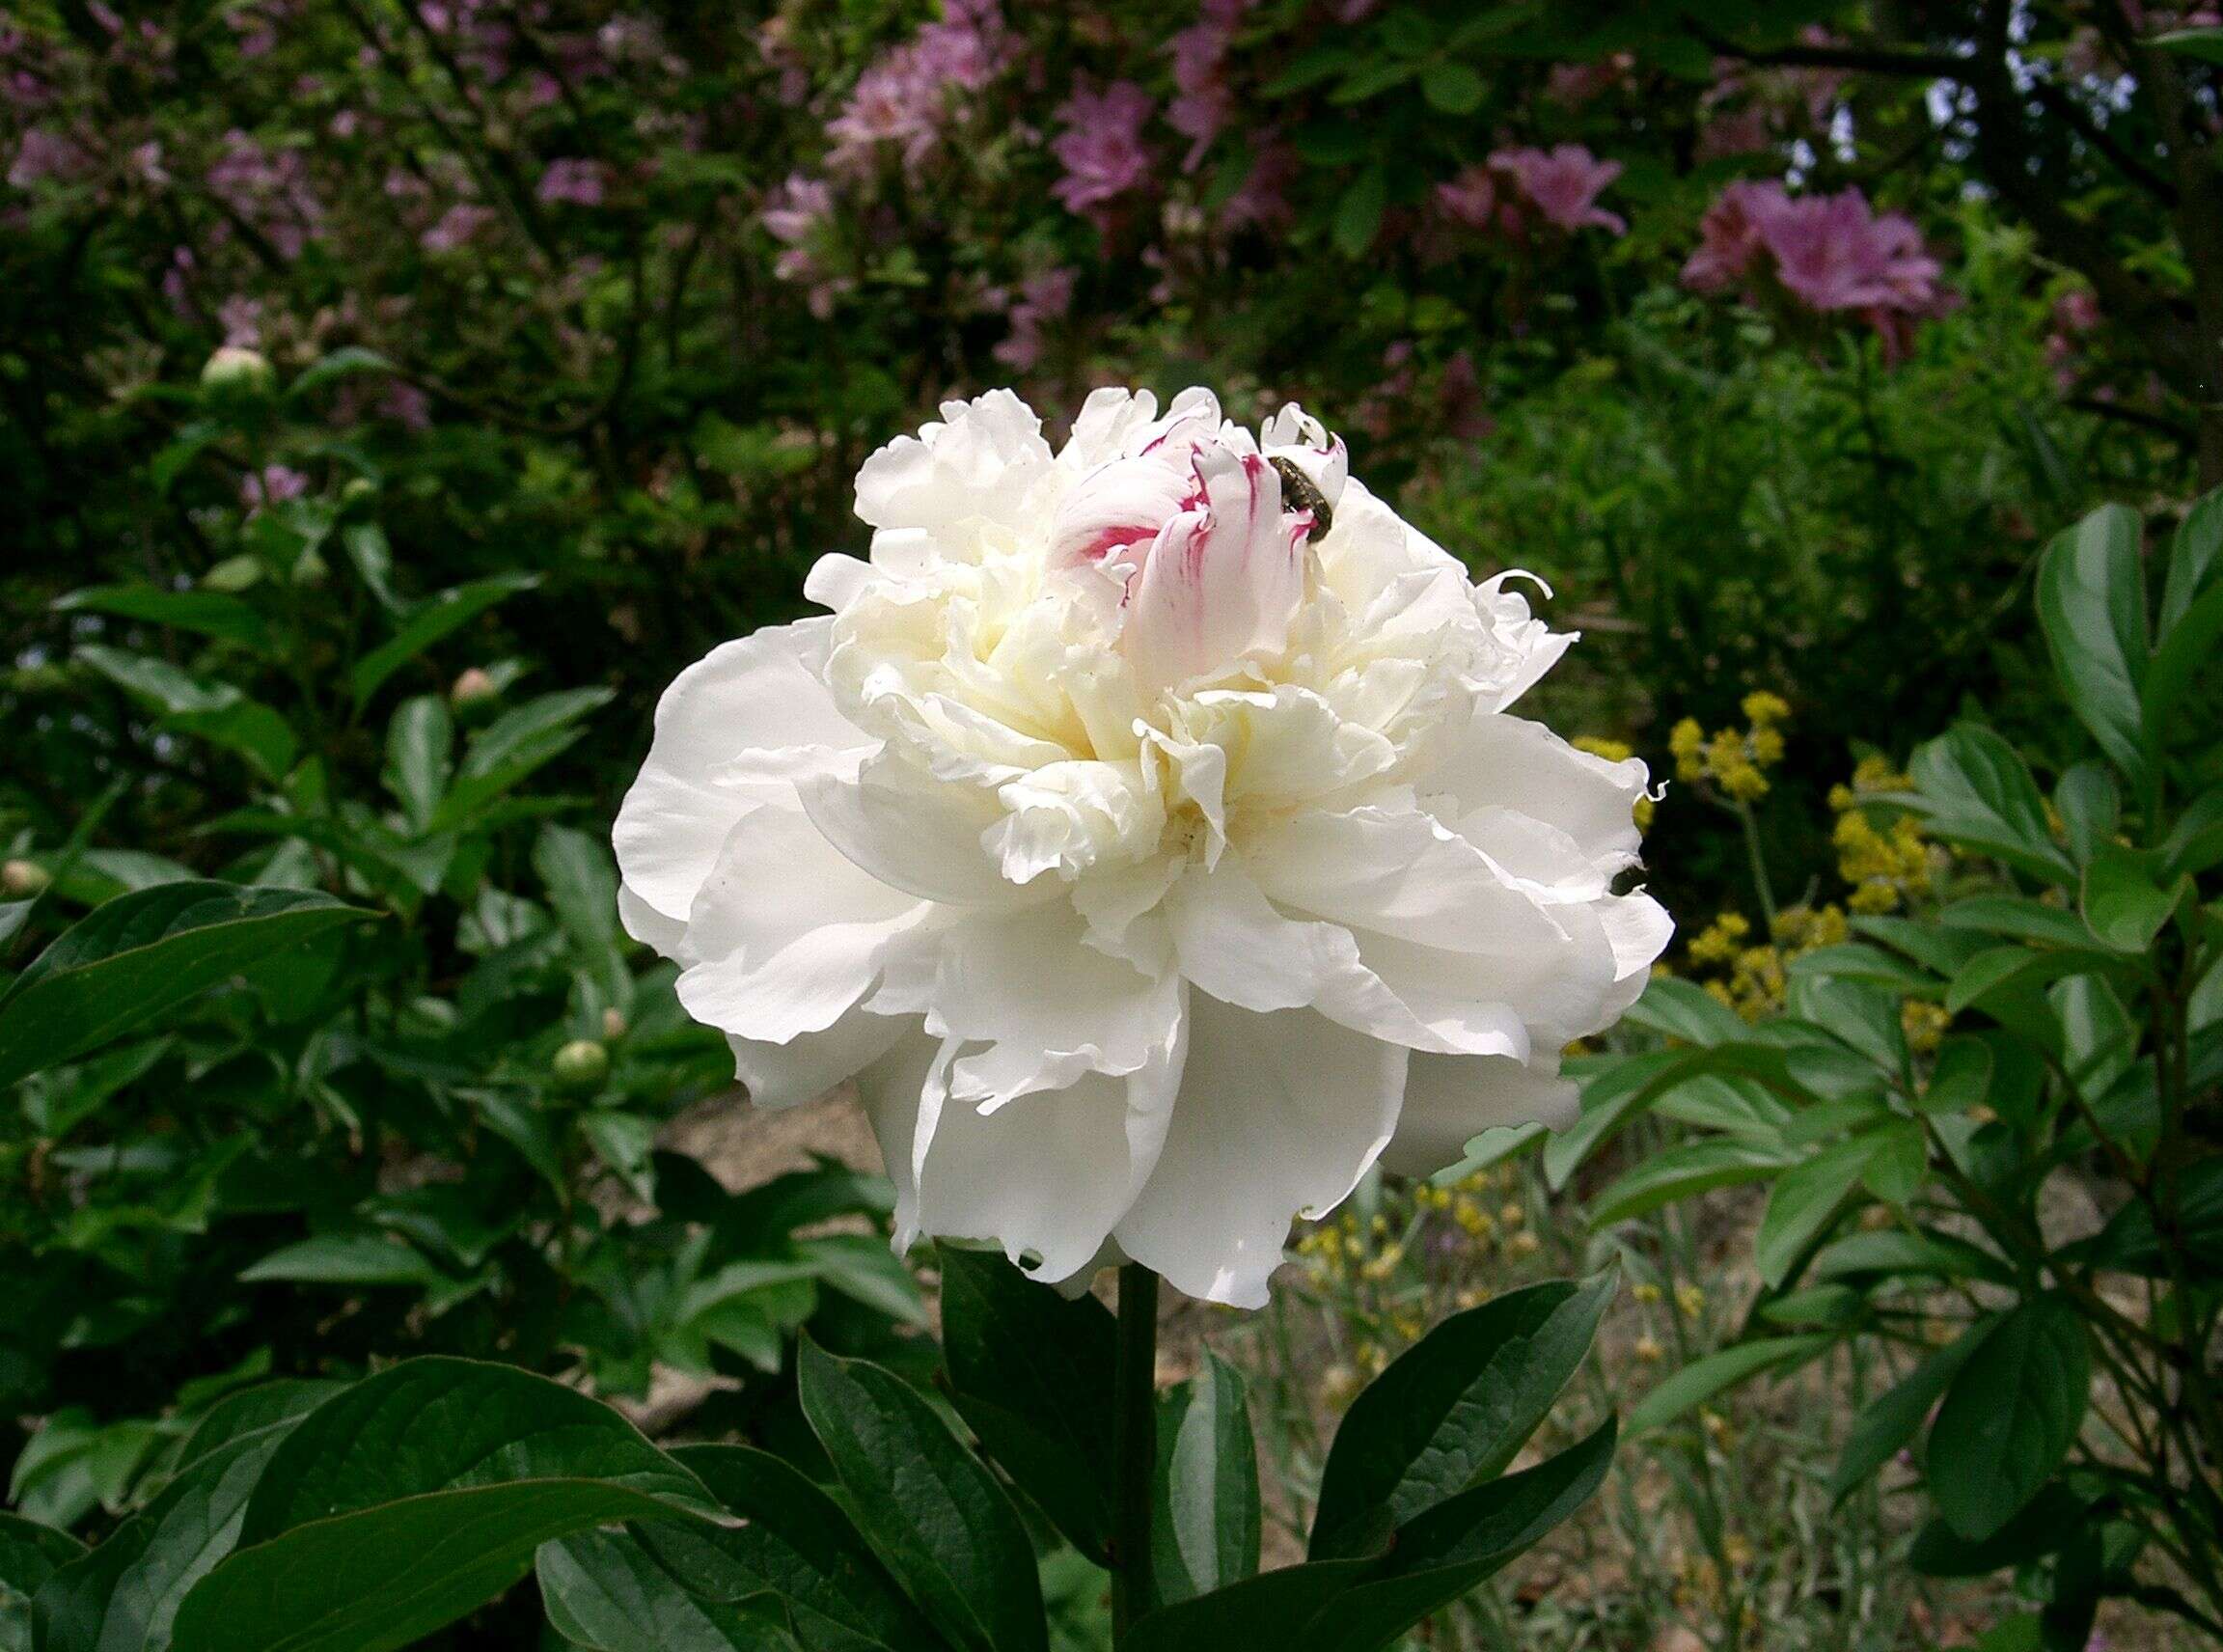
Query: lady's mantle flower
[{"x": 1146, "y": 832}]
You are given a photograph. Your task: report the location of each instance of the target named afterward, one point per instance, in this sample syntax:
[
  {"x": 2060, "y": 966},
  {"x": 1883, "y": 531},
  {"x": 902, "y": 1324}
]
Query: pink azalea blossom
[
  {"x": 274, "y": 485},
  {"x": 578, "y": 181},
  {"x": 905, "y": 96},
  {"x": 795, "y": 214},
  {"x": 241, "y": 318},
  {"x": 1563, "y": 183},
  {"x": 1204, "y": 100},
  {"x": 456, "y": 226},
  {"x": 43, "y": 155},
  {"x": 1043, "y": 298},
  {"x": 1101, "y": 146},
  {"x": 269, "y": 189},
  {"x": 1263, "y": 200},
  {"x": 1471, "y": 197},
  {"x": 1729, "y": 239},
  {"x": 1830, "y": 254}
]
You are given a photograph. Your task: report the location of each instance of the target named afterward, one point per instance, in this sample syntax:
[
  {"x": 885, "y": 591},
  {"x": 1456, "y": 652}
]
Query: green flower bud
[
  {"x": 580, "y": 1067},
  {"x": 474, "y": 692},
  {"x": 233, "y": 374},
  {"x": 613, "y": 1025},
  {"x": 20, "y": 880}
]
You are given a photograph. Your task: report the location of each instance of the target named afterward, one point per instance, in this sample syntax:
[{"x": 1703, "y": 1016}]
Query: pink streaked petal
[{"x": 1221, "y": 582}]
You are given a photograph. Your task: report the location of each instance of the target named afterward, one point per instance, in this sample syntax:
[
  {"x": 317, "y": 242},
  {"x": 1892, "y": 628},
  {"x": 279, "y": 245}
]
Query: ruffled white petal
[
  {"x": 734, "y": 728},
  {"x": 1046, "y": 1176},
  {"x": 1449, "y": 1100},
  {"x": 788, "y": 933},
  {"x": 1279, "y": 1116}
]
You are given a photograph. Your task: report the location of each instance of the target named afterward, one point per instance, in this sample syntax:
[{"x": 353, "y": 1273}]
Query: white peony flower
[{"x": 1148, "y": 834}]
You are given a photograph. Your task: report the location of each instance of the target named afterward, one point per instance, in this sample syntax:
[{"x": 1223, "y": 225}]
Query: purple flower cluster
[
  {"x": 1101, "y": 146},
  {"x": 1560, "y": 184},
  {"x": 906, "y": 97},
  {"x": 269, "y": 190},
  {"x": 1832, "y": 254},
  {"x": 1204, "y": 100}
]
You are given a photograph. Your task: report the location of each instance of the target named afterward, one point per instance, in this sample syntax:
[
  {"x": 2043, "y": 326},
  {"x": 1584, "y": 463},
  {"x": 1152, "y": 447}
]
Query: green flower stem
[{"x": 1134, "y": 1446}]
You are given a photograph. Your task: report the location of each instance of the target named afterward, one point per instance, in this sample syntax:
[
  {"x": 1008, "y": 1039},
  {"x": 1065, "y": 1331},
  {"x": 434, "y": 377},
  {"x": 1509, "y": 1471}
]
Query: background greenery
[{"x": 392, "y": 399}]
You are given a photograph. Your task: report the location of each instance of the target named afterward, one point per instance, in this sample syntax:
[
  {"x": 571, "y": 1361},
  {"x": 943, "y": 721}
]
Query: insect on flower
[{"x": 1299, "y": 492}]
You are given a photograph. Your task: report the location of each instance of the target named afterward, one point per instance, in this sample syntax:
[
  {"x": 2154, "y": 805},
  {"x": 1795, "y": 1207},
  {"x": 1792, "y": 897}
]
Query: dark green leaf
[
  {"x": 211, "y": 612},
  {"x": 29, "y": 1555},
  {"x": 1457, "y": 1545},
  {"x": 1695, "y": 1168},
  {"x": 2010, "y": 1416},
  {"x": 404, "y": 1502},
  {"x": 793, "y": 1541},
  {"x": 602, "y": 1589},
  {"x": 1359, "y": 214},
  {"x": 1890, "y": 1420},
  {"x": 2052, "y": 1516},
  {"x": 2197, "y": 553},
  {"x": 1980, "y": 794},
  {"x": 346, "y": 1260},
  {"x": 143, "y": 954},
  {"x": 932, "y": 1512},
  {"x": 1962, "y": 1078},
  {"x": 1804, "y": 1201},
  {"x": 2125, "y": 901},
  {"x": 1273, "y": 1609},
  {"x": 1676, "y": 1009},
  {"x": 1452, "y": 88},
  {"x": 2092, "y": 604},
  {"x": 213, "y": 711},
  {"x": 2205, "y": 44},
  {"x": 1452, "y": 1411},
  {"x": 1033, "y": 1376},
  {"x": 2090, "y": 807},
  {"x": 429, "y": 620},
  {"x": 1702, "y": 1379},
  {"x": 1206, "y": 1532},
  {"x": 420, "y": 746},
  {"x": 124, "y": 1596}
]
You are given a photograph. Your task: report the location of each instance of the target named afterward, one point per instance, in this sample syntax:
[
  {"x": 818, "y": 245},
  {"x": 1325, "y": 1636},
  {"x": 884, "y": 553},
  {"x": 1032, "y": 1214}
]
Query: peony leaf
[
  {"x": 143, "y": 954},
  {"x": 1979, "y": 793},
  {"x": 124, "y": 1596},
  {"x": 1206, "y": 1532},
  {"x": 1452, "y": 1411},
  {"x": 414, "y": 1496},
  {"x": 1459, "y": 1544},
  {"x": 793, "y": 1541},
  {"x": 604, "y": 1590},
  {"x": 1033, "y": 1375},
  {"x": 931, "y": 1511}
]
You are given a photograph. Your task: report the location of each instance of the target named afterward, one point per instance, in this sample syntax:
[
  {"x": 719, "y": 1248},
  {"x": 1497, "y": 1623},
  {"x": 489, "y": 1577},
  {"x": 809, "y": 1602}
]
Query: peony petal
[
  {"x": 1027, "y": 982},
  {"x": 1278, "y": 1116},
  {"x": 760, "y": 697},
  {"x": 979, "y": 461},
  {"x": 1219, "y": 584},
  {"x": 891, "y": 1088},
  {"x": 1513, "y": 763},
  {"x": 806, "y": 1068},
  {"x": 1048, "y": 1175},
  {"x": 912, "y": 833},
  {"x": 788, "y": 933},
  {"x": 1449, "y": 1100}
]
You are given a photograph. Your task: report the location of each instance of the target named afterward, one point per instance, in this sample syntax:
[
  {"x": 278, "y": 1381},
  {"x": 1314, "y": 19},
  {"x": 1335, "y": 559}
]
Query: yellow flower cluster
[
  {"x": 1734, "y": 759},
  {"x": 1748, "y": 975},
  {"x": 1617, "y": 752},
  {"x": 1887, "y": 868}
]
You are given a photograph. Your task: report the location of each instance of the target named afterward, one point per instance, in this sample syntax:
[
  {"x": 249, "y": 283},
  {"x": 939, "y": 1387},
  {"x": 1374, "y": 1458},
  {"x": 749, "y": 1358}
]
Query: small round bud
[
  {"x": 580, "y": 1067},
  {"x": 311, "y": 570},
  {"x": 613, "y": 1025},
  {"x": 20, "y": 880},
  {"x": 474, "y": 690},
  {"x": 239, "y": 375},
  {"x": 359, "y": 491}
]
